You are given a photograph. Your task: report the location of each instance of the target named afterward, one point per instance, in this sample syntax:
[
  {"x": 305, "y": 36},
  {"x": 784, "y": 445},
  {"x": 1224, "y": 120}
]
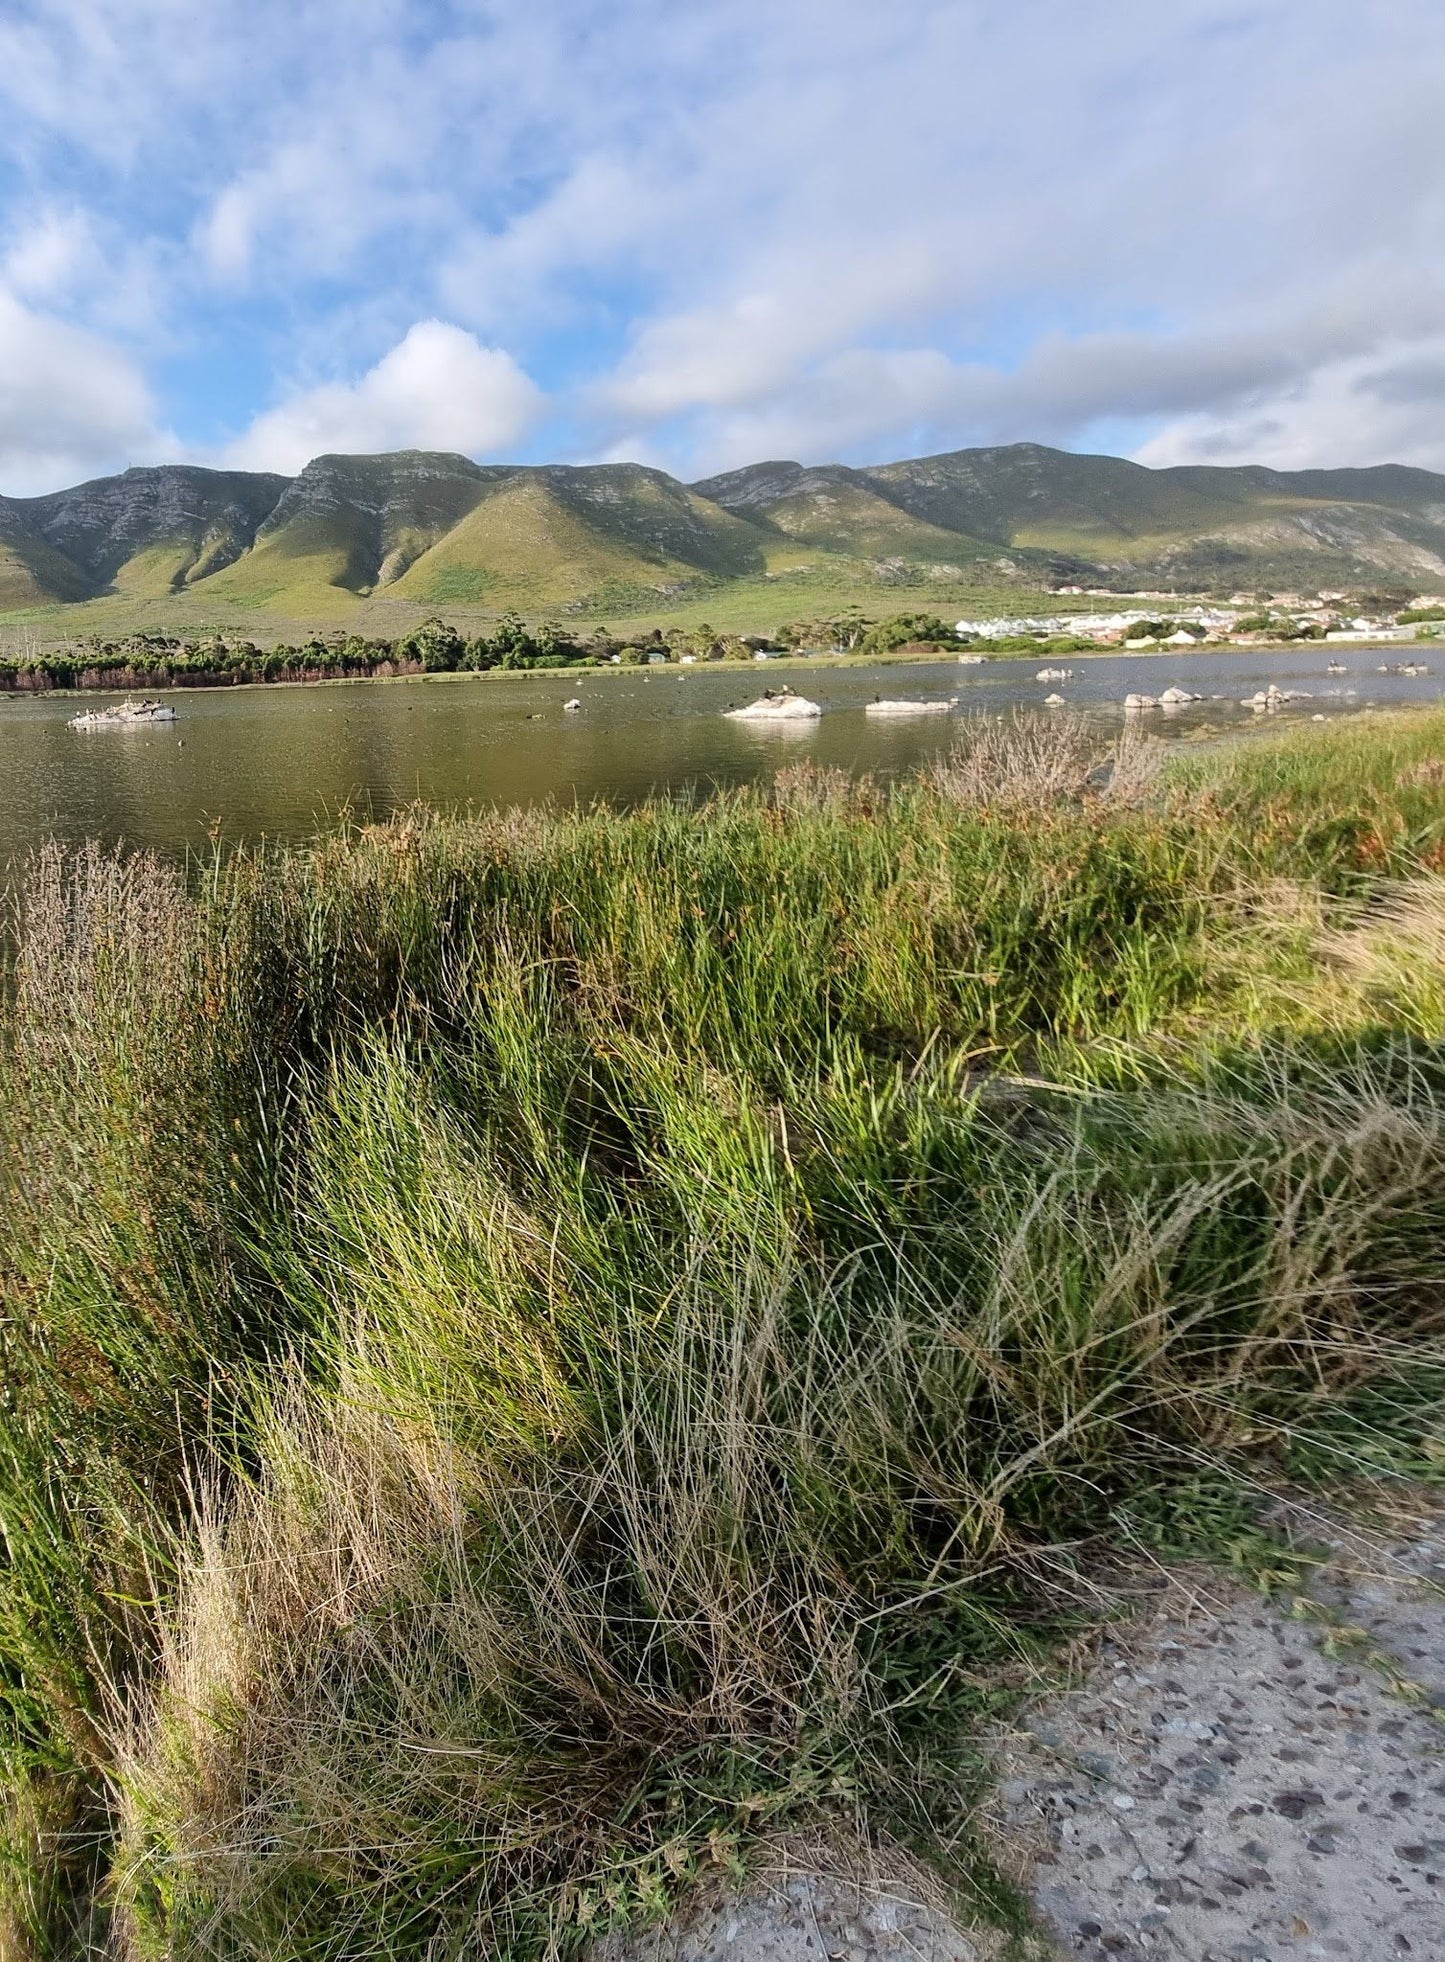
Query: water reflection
[{"x": 280, "y": 762}]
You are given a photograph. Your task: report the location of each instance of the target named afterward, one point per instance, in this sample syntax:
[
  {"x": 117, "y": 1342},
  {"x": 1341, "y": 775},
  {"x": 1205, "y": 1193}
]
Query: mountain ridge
[{"x": 434, "y": 527}]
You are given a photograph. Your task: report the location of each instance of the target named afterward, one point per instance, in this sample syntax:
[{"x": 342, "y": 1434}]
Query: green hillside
[
  {"x": 659, "y": 519},
  {"x": 348, "y": 524},
  {"x": 522, "y": 547},
  {"x": 148, "y": 531},
  {"x": 1196, "y": 523},
  {"x": 377, "y": 540},
  {"x": 833, "y": 510},
  {"x": 1027, "y": 495},
  {"x": 556, "y": 537},
  {"x": 32, "y": 573},
  {"x": 1100, "y": 517}
]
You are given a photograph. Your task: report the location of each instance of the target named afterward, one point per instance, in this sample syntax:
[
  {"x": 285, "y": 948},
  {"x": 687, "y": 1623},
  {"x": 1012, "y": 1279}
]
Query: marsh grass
[{"x": 537, "y": 1345}]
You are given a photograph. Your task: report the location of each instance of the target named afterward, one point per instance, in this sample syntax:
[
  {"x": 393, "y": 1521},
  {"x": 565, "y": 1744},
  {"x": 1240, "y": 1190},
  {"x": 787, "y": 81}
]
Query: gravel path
[
  {"x": 1230, "y": 1782},
  {"x": 1233, "y": 1783},
  {"x": 818, "y": 1904}
]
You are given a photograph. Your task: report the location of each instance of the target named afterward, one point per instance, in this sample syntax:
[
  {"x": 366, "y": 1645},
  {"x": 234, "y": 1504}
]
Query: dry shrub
[
  {"x": 1136, "y": 765},
  {"x": 811, "y": 787},
  {"x": 401, "y": 1699},
  {"x": 101, "y": 930},
  {"x": 1427, "y": 775},
  {"x": 1044, "y": 759},
  {"x": 1393, "y": 949},
  {"x": 1405, "y": 922},
  {"x": 331, "y": 1717}
]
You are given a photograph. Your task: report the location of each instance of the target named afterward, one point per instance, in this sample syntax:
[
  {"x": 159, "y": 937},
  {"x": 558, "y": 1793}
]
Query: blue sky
[{"x": 700, "y": 235}]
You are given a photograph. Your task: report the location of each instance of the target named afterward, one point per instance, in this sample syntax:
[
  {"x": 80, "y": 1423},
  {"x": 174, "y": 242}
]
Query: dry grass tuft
[
  {"x": 1030, "y": 758},
  {"x": 1393, "y": 949}
]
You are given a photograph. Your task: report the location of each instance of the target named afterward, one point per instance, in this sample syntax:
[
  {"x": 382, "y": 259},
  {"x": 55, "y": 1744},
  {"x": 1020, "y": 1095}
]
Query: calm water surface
[{"x": 283, "y": 762}]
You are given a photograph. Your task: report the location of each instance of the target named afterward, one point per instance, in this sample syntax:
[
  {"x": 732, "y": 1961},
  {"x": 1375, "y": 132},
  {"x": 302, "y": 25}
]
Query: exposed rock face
[
  {"x": 759, "y": 486},
  {"x": 99, "y": 527},
  {"x": 380, "y": 512}
]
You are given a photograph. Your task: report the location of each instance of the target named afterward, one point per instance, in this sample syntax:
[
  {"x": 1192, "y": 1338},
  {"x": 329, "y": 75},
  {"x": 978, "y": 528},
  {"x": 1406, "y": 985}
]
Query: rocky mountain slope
[
  {"x": 146, "y": 531},
  {"x": 1104, "y": 517},
  {"x": 436, "y": 528}
]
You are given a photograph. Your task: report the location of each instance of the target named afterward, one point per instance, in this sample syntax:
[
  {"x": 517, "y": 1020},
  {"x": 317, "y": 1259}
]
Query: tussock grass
[{"x": 536, "y": 1344}]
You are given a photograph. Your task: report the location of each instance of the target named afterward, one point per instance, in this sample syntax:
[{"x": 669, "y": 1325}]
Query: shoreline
[{"x": 785, "y": 662}]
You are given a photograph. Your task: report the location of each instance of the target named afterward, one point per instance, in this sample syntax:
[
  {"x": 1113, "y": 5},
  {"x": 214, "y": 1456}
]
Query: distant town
[{"x": 1247, "y": 621}]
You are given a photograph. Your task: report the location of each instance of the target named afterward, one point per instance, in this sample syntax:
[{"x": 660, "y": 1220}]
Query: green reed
[{"x": 533, "y": 1344}]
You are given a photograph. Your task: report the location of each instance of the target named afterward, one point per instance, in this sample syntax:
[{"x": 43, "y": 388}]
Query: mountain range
[{"x": 438, "y": 530}]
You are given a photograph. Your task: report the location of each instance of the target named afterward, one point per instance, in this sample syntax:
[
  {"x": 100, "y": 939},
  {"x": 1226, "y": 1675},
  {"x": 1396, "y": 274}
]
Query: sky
[{"x": 702, "y": 233}]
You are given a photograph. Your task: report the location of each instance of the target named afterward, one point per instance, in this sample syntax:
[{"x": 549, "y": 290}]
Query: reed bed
[{"x": 533, "y": 1345}]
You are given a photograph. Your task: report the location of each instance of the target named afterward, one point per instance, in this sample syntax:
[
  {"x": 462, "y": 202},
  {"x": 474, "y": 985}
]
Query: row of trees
[
  {"x": 150, "y": 660},
  {"x": 154, "y": 660}
]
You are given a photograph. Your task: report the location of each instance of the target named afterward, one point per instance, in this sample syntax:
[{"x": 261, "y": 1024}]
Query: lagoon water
[{"x": 283, "y": 762}]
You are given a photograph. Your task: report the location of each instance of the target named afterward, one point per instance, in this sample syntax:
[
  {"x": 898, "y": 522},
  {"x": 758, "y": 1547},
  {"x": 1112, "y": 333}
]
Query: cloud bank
[
  {"x": 1207, "y": 232},
  {"x": 71, "y": 405},
  {"x": 437, "y": 389}
]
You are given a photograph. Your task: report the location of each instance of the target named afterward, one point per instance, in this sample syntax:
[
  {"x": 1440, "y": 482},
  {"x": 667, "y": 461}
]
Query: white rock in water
[
  {"x": 575, "y": 703},
  {"x": 1140, "y": 702},
  {"x": 776, "y": 708},
  {"x": 908, "y": 708},
  {"x": 1177, "y": 697},
  {"x": 1054, "y": 674},
  {"x": 1272, "y": 697},
  {"x": 972, "y": 660},
  {"x": 1053, "y": 701}
]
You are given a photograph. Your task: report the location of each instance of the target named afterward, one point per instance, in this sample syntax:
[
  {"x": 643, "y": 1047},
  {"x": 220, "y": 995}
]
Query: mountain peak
[{"x": 436, "y": 527}]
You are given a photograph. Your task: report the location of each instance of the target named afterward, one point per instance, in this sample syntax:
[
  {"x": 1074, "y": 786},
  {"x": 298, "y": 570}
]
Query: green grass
[
  {"x": 281, "y": 605},
  {"x": 538, "y": 1345}
]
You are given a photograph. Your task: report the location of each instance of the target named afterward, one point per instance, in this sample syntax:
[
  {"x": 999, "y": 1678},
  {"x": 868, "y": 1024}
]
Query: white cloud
[
  {"x": 826, "y": 227},
  {"x": 1380, "y": 407},
  {"x": 1152, "y": 215},
  {"x": 51, "y": 253},
  {"x": 227, "y": 234},
  {"x": 71, "y": 404},
  {"x": 437, "y": 389},
  {"x": 891, "y": 401}
]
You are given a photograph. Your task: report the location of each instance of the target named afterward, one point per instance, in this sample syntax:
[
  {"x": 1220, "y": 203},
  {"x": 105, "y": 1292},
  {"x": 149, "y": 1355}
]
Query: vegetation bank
[{"x": 535, "y": 1345}]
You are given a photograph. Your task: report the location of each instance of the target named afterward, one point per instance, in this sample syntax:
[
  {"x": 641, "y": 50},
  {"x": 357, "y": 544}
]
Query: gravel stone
[
  {"x": 1260, "y": 1799},
  {"x": 1302, "y": 1771},
  {"x": 813, "y": 1908}
]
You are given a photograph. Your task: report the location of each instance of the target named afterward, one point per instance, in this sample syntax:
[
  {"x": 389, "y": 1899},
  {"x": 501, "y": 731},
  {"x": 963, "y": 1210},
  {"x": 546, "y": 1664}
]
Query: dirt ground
[{"x": 1230, "y": 1780}]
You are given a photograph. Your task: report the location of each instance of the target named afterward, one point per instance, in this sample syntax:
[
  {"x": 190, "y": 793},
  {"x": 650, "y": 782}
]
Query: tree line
[{"x": 159, "y": 660}]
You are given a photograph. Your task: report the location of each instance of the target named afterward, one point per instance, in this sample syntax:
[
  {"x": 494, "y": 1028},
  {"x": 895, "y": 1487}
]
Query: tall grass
[{"x": 532, "y": 1343}]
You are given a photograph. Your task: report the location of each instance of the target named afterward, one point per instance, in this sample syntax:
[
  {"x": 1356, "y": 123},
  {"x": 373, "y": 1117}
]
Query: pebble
[{"x": 1280, "y": 1804}]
